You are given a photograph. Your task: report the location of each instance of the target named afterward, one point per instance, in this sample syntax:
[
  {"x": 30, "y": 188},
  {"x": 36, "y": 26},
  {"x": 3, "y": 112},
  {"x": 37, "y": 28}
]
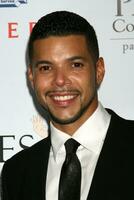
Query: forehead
[
  {"x": 66, "y": 41},
  {"x": 53, "y": 45}
]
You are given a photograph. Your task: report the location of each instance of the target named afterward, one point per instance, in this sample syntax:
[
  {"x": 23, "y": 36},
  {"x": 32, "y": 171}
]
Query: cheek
[
  {"x": 88, "y": 85},
  {"x": 40, "y": 84},
  {"x": 40, "y": 88}
]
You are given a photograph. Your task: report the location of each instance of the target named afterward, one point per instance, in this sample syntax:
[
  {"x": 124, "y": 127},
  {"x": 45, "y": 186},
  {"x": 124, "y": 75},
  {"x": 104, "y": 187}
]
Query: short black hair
[{"x": 64, "y": 23}]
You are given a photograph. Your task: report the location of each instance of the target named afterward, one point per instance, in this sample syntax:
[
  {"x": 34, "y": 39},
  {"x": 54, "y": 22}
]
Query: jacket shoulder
[
  {"x": 28, "y": 156},
  {"x": 19, "y": 169},
  {"x": 123, "y": 128},
  {"x": 120, "y": 120}
]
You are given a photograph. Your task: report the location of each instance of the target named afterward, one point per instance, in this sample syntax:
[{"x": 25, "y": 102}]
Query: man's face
[{"x": 65, "y": 78}]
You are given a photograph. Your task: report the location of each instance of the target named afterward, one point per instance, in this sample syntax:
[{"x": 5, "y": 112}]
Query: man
[{"x": 65, "y": 72}]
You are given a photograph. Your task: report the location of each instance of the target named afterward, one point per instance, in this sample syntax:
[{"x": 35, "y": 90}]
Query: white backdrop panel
[{"x": 113, "y": 21}]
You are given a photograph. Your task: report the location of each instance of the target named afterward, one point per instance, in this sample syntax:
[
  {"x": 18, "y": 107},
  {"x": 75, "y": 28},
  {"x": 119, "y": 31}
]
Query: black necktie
[{"x": 70, "y": 179}]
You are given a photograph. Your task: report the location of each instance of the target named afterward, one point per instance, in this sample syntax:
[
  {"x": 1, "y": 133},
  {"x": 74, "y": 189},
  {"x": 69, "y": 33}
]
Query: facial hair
[{"x": 74, "y": 118}]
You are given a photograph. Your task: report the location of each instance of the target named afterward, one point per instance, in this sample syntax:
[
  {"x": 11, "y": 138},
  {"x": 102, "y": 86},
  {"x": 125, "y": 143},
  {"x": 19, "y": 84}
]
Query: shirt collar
[
  {"x": 90, "y": 135},
  {"x": 58, "y": 138}
]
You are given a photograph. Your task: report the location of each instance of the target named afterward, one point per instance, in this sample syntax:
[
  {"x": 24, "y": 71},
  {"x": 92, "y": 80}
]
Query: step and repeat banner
[{"x": 20, "y": 124}]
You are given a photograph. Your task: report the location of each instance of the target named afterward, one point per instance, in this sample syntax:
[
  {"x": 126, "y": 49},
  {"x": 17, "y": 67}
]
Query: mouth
[{"x": 63, "y": 99}]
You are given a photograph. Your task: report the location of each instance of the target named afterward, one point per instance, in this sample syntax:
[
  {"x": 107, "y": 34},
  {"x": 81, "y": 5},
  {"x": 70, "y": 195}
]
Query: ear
[
  {"x": 30, "y": 76},
  {"x": 100, "y": 71}
]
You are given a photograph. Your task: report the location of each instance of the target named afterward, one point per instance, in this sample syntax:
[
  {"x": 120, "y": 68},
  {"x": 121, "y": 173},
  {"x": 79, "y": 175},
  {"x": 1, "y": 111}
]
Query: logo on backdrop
[
  {"x": 38, "y": 126},
  {"x": 123, "y": 24},
  {"x": 12, "y": 3},
  {"x": 8, "y": 142}
]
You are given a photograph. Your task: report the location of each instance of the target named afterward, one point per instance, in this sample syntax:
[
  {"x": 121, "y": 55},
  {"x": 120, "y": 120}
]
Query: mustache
[{"x": 63, "y": 91}]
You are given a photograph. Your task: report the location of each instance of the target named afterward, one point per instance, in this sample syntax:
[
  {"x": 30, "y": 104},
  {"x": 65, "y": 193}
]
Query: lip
[{"x": 63, "y": 99}]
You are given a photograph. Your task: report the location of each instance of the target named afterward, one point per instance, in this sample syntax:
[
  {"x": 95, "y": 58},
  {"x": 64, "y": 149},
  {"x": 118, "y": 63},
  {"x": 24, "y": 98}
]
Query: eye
[
  {"x": 44, "y": 68},
  {"x": 77, "y": 65}
]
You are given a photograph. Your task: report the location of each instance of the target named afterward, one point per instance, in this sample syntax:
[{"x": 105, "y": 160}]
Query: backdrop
[{"x": 20, "y": 124}]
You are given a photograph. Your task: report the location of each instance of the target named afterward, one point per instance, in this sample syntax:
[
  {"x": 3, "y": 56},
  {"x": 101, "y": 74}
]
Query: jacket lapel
[
  {"x": 35, "y": 175},
  {"x": 103, "y": 184}
]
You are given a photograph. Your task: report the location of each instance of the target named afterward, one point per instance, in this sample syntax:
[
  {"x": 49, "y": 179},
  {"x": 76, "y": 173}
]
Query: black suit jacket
[{"x": 24, "y": 175}]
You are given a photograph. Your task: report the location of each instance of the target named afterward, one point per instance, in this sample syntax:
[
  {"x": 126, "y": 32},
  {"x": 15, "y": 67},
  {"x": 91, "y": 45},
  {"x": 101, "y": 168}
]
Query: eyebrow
[
  {"x": 76, "y": 58},
  {"x": 42, "y": 62}
]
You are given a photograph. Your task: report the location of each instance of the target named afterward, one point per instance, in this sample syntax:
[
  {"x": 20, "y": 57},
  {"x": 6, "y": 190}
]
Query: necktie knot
[{"x": 71, "y": 146}]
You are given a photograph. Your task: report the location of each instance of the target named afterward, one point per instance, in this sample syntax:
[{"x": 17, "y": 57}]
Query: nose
[{"x": 61, "y": 77}]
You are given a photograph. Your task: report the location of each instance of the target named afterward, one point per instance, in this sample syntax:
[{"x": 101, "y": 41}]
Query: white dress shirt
[{"x": 91, "y": 136}]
